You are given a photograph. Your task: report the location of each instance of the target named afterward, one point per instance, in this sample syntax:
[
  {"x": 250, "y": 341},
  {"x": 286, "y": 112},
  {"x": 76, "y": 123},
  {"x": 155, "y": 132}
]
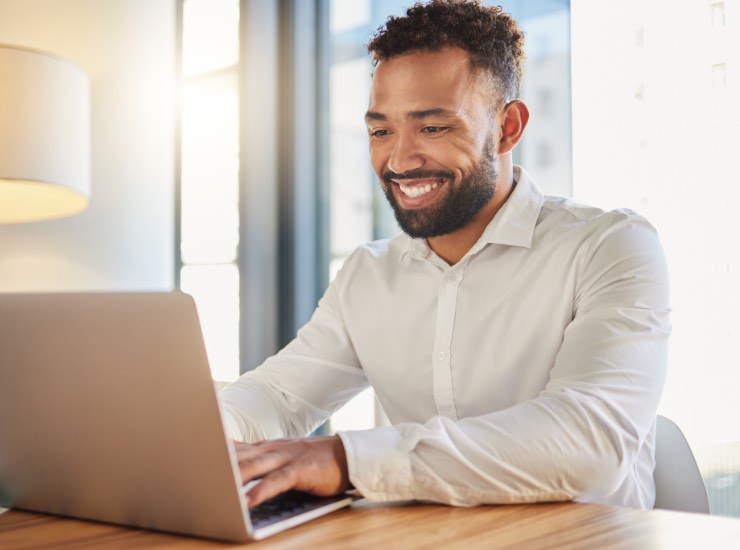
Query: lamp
[{"x": 44, "y": 136}]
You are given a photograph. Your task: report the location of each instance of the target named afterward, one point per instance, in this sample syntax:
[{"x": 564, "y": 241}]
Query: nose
[{"x": 405, "y": 154}]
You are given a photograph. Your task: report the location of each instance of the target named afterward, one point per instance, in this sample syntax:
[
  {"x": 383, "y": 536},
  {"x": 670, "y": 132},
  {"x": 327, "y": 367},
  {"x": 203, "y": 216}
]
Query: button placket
[{"x": 441, "y": 363}]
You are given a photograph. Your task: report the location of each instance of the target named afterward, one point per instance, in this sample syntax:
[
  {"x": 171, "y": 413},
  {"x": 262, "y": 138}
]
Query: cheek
[
  {"x": 378, "y": 157},
  {"x": 463, "y": 154},
  {"x": 472, "y": 143}
]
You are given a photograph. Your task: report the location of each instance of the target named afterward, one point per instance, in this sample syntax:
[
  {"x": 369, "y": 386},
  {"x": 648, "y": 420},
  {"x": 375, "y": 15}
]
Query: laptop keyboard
[{"x": 289, "y": 504}]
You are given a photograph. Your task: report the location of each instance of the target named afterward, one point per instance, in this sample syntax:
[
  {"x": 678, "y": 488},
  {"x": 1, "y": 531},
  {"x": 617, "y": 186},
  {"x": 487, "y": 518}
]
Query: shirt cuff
[{"x": 379, "y": 464}]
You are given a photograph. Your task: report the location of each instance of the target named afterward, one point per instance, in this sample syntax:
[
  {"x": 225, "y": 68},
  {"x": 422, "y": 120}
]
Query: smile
[{"x": 418, "y": 190}]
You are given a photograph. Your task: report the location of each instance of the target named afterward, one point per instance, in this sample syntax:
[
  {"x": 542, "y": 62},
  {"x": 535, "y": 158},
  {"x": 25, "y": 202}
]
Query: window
[
  {"x": 717, "y": 14},
  {"x": 249, "y": 190}
]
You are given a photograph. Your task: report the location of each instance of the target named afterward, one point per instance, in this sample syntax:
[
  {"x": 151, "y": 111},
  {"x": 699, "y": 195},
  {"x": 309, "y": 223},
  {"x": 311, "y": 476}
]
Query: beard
[{"x": 454, "y": 211}]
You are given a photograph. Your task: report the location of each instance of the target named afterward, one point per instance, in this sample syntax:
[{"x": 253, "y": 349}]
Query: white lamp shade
[{"x": 44, "y": 136}]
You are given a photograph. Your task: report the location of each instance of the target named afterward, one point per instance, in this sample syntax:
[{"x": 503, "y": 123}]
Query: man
[{"x": 517, "y": 342}]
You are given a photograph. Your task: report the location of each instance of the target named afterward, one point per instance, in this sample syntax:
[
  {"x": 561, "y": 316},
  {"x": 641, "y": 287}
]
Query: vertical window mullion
[{"x": 258, "y": 180}]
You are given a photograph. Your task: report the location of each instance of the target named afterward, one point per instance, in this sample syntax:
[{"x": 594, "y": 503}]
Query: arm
[
  {"x": 294, "y": 392},
  {"x": 289, "y": 396}
]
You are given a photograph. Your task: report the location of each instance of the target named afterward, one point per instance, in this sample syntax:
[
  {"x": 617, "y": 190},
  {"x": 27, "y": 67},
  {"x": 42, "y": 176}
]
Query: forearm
[
  {"x": 251, "y": 414},
  {"x": 290, "y": 395},
  {"x": 542, "y": 450}
]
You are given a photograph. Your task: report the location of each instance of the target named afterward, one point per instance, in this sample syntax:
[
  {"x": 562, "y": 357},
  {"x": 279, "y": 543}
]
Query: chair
[{"x": 678, "y": 482}]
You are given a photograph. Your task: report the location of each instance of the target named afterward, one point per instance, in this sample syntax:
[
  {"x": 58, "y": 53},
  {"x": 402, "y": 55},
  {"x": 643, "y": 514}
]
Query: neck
[{"x": 453, "y": 246}]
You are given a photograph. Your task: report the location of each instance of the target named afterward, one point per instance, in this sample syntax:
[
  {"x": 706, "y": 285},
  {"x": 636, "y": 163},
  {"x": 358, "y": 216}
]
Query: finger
[
  {"x": 246, "y": 450},
  {"x": 271, "y": 485},
  {"x": 258, "y": 464}
]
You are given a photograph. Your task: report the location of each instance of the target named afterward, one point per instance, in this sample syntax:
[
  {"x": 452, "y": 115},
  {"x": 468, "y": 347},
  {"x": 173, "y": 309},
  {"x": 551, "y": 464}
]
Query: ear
[{"x": 514, "y": 118}]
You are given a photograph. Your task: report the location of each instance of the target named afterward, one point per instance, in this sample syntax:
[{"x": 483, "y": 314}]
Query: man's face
[{"x": 432, "y": 140}]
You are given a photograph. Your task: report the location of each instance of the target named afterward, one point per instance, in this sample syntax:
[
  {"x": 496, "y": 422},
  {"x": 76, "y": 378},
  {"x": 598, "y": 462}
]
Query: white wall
[
  {"x": 125, "y": 239},
  {"x": 653, "y": 131}
]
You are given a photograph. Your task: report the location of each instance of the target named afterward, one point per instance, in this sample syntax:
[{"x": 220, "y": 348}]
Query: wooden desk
[{"x": 565, "y": 525}]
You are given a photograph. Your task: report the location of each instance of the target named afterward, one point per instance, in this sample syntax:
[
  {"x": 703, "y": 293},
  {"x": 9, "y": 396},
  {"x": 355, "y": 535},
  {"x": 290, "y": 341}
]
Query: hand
[{"x": 316, "y": 465}]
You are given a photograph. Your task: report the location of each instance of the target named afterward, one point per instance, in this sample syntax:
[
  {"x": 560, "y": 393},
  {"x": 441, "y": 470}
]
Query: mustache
[{"x": 389, "y": 175}]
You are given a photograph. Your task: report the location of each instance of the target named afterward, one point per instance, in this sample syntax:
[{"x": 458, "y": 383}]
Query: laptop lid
[{"x": 108, "y": 412}]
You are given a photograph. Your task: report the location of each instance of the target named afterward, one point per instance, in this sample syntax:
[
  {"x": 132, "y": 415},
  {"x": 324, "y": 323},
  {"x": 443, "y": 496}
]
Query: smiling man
[{"x": 516, "y": 341}]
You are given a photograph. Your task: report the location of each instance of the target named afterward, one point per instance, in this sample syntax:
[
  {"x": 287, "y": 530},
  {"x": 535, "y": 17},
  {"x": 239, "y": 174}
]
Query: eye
[
  {"x": 379, "y": 133},
  {"x": 433, "y": 129}
]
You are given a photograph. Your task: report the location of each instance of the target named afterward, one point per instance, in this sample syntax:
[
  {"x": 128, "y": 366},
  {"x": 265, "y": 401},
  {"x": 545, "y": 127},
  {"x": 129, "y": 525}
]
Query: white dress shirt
[{"x": 531, "y": 370}]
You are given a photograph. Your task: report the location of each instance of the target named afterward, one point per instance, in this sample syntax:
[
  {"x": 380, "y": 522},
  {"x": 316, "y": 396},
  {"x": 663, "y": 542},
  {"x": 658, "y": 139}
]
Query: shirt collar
[
  {"x": 513, "y": 224},
  {"x": 416, "y": 248}
]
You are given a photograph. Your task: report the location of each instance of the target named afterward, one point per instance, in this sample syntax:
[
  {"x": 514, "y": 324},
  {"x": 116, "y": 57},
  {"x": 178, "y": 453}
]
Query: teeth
[{"x": 418, "y": 190}]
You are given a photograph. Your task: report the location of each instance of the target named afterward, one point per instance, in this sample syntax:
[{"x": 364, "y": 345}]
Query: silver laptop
[{"x": 108, "y": 412}]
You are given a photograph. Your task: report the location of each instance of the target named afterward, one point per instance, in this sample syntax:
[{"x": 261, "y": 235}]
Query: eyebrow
[{"x": 415, "y": 115}]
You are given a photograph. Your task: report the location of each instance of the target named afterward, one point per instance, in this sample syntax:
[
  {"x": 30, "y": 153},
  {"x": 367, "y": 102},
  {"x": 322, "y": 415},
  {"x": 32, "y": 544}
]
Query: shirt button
[
  {"x": 441, "y": 356},
  {"x": 451, "y": 277}
]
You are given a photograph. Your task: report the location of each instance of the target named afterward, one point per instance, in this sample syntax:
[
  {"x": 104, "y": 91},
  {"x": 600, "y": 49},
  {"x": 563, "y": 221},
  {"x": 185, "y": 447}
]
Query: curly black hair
[{"x": 491, "y": 37}]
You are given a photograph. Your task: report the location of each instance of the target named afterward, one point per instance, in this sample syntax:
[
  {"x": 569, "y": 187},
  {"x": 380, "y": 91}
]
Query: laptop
[{"x": 108, "y": 413}]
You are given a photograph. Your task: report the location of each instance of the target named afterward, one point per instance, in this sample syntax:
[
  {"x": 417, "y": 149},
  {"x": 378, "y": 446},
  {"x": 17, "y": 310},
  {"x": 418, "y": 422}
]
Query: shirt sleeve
[
  {"x": 581, "y": 436},
  {"x": 294, "y": 392}
]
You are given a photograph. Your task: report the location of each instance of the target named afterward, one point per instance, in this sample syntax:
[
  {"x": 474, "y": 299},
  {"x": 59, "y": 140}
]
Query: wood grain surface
[{"x": 387, "y": 527}]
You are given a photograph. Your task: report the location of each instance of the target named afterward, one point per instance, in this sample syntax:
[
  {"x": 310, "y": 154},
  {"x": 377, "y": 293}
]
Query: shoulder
[
  {"x": 380, "y": 257},
  {"x": 589, "y": 223},
  {"x": 567, "y": 210},
  {"x": 597, "y": 241},
  {"x": 379, "y": 252}
]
